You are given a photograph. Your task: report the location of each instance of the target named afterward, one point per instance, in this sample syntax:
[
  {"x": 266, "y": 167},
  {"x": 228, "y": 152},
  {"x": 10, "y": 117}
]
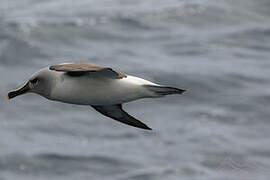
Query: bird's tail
[{"x": 164, "y": 90}]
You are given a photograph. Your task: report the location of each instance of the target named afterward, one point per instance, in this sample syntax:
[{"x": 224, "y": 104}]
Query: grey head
[{"x": 40, "y": 83}]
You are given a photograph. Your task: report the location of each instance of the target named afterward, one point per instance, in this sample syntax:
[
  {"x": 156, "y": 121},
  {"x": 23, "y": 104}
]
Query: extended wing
[{"x": 117, "y": 113}]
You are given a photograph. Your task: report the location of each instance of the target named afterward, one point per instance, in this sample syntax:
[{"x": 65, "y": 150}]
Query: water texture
[{"x": 218, "y": 130}]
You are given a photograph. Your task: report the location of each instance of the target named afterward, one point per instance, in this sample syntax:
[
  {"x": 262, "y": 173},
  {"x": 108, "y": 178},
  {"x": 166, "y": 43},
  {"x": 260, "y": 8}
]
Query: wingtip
[
  {"x": 148, "y": 128},
  {"x": 144, "y": 126}
]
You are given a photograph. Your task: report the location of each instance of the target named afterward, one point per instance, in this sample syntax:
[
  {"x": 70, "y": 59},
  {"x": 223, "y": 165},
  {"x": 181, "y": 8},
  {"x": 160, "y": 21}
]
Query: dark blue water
[{"x": 218, "y": 130}]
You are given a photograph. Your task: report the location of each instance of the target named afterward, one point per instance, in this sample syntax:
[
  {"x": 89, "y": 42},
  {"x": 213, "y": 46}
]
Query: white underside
[{"x": 87, "y": 90}]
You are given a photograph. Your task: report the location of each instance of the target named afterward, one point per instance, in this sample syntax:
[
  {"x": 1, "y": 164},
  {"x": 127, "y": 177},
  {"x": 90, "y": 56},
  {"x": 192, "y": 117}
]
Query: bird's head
[{"x": 39, "y": 83}]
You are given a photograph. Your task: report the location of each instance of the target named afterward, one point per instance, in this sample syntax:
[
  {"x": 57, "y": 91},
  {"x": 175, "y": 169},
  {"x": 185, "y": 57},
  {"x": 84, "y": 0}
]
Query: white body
[{"x": 87, "y": 90}]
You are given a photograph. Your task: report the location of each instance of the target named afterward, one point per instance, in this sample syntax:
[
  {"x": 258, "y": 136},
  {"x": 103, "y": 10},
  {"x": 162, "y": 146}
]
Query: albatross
[{"x": 100, "y": 87}]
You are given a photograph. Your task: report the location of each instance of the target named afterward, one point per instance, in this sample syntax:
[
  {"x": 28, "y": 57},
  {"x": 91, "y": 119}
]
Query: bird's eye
[{"x": 34, "y": 81}]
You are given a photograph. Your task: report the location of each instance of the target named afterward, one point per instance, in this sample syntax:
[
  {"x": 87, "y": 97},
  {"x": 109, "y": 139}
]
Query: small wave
[{"x": 57, "y": 164}]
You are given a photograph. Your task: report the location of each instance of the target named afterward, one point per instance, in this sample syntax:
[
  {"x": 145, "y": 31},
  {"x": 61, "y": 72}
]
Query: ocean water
[{"x": 218, "y": 130}]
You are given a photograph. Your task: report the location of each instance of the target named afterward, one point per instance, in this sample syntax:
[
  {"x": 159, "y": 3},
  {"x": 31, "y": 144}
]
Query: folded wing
[
  {"x": 117, "y": 113},
  {"x": 79, "y": 69}
]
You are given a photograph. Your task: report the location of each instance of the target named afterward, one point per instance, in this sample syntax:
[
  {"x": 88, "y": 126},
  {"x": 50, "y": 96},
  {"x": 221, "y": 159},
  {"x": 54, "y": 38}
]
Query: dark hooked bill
[{"x": 22, "y": 90}]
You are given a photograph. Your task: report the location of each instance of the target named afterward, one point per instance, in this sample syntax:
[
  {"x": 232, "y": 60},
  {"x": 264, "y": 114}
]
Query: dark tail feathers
[{"x": 164, "y": 90}]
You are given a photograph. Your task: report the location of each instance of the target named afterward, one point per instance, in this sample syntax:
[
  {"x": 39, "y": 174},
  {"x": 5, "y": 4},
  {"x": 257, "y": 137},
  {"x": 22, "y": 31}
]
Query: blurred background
[{"x": 218, "y": 130}]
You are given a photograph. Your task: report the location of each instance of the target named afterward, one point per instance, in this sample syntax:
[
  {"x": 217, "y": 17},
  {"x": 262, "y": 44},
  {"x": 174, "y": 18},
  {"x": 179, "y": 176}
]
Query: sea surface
[{"x": 218, "y": 130}]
